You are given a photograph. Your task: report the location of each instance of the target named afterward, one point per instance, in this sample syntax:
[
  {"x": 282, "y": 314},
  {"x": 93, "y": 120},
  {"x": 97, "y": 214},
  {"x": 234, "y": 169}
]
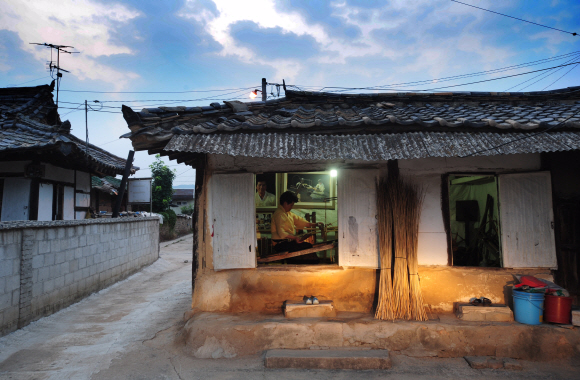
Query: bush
[
  {"x": 171, "y": 218},
  {"x": 187, "y": 210}
]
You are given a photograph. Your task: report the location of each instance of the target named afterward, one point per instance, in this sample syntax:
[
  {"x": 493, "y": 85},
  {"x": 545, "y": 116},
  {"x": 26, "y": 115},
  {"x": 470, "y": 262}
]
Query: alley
[{"x": 132, "y": 330}]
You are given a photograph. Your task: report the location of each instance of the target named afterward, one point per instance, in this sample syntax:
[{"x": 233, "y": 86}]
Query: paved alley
[{"x": 132, "y": 330}]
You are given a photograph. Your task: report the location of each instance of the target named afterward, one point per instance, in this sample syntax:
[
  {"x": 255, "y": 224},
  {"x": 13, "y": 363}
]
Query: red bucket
[{"x": 557, "y": 309}]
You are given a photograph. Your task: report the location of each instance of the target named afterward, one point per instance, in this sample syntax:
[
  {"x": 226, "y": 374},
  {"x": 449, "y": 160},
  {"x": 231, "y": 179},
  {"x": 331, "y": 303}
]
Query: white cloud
[
  {"x": 427, "y": 52},
  {"x": 84, "y": 24}
]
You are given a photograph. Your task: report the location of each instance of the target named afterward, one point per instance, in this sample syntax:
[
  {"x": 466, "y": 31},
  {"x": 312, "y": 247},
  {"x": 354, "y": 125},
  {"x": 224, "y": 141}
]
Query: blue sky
[{"x": 200, "y": 45}]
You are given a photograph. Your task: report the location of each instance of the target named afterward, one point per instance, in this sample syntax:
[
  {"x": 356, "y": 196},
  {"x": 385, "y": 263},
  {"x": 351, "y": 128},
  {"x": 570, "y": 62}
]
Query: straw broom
[
  {"x": 416, "y": 296},
  {"x": 385, "y": 307}
]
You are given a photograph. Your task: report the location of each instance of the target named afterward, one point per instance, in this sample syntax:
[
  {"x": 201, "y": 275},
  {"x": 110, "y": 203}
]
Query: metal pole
[
  {"x": 264, "y": 94},
  {"x": 151, "y": 198},
  {"x": 123, "y": 184}
]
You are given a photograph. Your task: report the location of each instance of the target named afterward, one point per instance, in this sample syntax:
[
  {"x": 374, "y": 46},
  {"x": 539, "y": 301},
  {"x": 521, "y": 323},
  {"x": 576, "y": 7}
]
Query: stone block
[
  {"x": 37, "y": 261},
  {"x": 328, "y": 359},
  {"x": 5, "y": 268},
  {"x": 298, "y": 309},
  {"x": 48, "y": 286},
  {"x": 496, "y": 313},
  {"x": 494, "y": 363},
  {"x": 477, "y": 362},
  {"x": 43, "y": 246},
  {"x": 513, "y": 364},
  {"x": 576, "y": 317},
  {"x": 5, "y": 300}
]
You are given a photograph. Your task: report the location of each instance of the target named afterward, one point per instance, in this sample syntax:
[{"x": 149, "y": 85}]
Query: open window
[
  {"x": 501, "y": 220},
  {"x": 317, "y": 203},
  {"x": 474, "y": 220}
]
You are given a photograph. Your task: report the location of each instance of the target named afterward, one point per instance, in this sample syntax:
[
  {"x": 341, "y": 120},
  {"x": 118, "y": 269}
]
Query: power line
[
  {"x": 444, "y": 79},
  {"x": 158, "y": 92},
  {"x": 530, "y": 22},
  {"x": 534, "y": 77},
  {"x": 20, "y": 84},
  {"x": 566, "y": 73}
]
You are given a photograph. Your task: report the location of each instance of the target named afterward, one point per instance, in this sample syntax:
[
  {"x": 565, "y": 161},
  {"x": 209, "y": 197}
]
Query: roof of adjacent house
[
  {"x": 30, "y": 123},
  {"x": 182, "y": 195},
  {"x": 106, "y": 184},
  {"x": 317, "y": 125}
]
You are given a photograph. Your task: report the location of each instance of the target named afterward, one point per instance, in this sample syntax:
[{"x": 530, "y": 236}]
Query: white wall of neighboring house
[{"x": 181, "y": 204}]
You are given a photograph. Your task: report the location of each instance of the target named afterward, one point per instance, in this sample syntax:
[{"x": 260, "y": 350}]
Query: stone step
[
  {"x": 495, "y": 313},
  {"x": 298, "y": 309},
  {"x": 328, "y": 359}
]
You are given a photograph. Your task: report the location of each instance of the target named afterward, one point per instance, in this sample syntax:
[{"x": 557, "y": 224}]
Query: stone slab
[
  {"x": 576, "y": 317},
  {"x": 298, "y": 309},
  {"x": 495, "y": 313},
  {"x": 513, "y": 364},
  {"x": 328, "y": 359},
  {"x": 477, "y": 362}
]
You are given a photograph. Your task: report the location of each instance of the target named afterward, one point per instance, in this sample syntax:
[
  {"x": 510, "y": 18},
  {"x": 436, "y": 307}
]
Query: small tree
[{"x": 162, "y": 184}]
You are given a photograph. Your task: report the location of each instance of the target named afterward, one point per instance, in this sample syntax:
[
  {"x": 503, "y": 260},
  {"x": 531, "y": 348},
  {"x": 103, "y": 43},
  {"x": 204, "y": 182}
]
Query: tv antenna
[{"x": 51, "y": 66}]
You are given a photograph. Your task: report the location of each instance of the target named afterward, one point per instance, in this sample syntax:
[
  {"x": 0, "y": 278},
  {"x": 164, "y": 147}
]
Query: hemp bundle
[
  {"x": 400, "y": 194},
  {"x": 399, "y": 211},
  {"x": 385, "y": 306}
]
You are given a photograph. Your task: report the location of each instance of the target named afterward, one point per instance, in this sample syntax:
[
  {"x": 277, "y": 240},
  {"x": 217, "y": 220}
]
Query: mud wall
[{"x": 264, "y": 290}]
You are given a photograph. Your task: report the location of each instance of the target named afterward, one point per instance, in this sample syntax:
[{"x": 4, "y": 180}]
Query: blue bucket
[{"x": 528, "y": 307}]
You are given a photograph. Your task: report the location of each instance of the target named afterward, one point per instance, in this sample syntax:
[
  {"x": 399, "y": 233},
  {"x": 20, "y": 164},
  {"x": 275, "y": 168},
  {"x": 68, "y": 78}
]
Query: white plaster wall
[
  {"x": 68, "y": 203},
  {"x": 83, "y": 200},
  {"x": 15, "y": 199},
  {"x": 54, "y": 173},
  {"x": 45, "y": 201}
]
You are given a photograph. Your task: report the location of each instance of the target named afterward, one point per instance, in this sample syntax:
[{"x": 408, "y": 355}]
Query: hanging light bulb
[{"x": 253, "y": 94}]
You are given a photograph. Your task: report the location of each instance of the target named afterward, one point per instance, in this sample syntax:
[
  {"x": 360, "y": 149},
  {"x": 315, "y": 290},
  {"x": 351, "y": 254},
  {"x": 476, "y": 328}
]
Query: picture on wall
[
  {"x": 313, "y": 189},
  {"x": 266, "y": 195},
  {"x": 263, "y": 221}
]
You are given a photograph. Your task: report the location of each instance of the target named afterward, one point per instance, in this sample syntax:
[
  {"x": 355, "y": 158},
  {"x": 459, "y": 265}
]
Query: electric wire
[
  {"x": 516, "y": 18},
  {"x": 566, "y": 73},
  {"x": 159, "y": 92},
  {"x": 541, "y": 74}
]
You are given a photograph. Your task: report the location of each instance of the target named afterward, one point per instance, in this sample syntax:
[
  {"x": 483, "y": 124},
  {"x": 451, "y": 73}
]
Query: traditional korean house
[
  {"x": 494, "y": 167},
  {"x": 45, "y": 171}
]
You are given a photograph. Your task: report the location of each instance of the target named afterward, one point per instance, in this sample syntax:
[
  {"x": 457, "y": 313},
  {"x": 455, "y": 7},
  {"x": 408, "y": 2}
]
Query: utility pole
[
  {"x": 51, "y": 66},
  {"x": 128, "y": 164},
  {"x": 264, "y": 94}
]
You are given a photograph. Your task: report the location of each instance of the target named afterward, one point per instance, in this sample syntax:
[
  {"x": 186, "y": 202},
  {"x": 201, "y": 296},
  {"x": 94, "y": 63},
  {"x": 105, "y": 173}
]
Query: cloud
[{"x": 85, "y": 24}]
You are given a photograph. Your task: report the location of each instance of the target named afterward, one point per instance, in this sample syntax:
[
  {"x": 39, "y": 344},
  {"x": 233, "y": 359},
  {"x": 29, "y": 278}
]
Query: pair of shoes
[
  {"x": 312, "y": 301},
  {"x": 480, "y": 301}
]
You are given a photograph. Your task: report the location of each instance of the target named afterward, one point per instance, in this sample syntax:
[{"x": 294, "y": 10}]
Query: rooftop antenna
[{"x": 51, "y": 66}]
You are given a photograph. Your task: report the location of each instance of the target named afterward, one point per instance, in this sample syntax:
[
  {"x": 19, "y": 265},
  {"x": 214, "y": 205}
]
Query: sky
[{"x": 194, "y": 52}]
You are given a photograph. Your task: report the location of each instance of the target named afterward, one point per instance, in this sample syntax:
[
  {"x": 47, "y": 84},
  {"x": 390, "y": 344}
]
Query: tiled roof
[
  {"x": 310, "y": 113},
  {"x": 29, "y": 122},
  {"x": 106, "y": 184},
  {"x": 182, "y": 195}
]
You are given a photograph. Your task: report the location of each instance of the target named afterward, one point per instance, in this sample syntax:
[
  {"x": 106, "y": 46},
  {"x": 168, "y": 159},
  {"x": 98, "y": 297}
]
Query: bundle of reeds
[
  {"x": 385, "y": 307},
  {"x": 399, "y": 211},
  {"x": 400, "y": 194},
  {"x": 415, "y": 203}
]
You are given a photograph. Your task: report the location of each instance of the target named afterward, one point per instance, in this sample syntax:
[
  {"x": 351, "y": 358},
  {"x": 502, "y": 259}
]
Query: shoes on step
[
  {"x": 308, "y": 301},
  {"x": 315, "y": 301}
]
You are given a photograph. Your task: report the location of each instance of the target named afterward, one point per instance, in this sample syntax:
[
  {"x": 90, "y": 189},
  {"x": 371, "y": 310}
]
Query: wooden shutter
[
  {"x": 357, "y": 222},
  {"x": 234, "y": 221},
  {"x": 527, "y": 220}
]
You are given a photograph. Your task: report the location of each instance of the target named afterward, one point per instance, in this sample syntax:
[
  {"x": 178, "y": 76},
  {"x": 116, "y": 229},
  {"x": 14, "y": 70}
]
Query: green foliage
[
  {"x": 162, "y": 185},
  {"x": 169, "y": 218},
  {"x": 187, "y": 210}
]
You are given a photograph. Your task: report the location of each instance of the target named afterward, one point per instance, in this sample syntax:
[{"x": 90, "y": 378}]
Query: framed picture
[
  {"x": 313, "y": 189},
  {"x": 266, "y": 192},
  {"x": 263, "y": 221}
]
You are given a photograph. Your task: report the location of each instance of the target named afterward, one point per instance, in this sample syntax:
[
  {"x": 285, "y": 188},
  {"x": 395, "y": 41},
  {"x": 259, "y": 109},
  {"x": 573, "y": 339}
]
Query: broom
[{"x": 385, "y": 307}]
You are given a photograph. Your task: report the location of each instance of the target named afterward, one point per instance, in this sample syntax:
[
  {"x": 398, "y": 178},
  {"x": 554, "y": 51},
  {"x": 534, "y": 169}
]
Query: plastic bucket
[
  {"x": 558, "y": 309},
  {"x": 528, "y": 307}
]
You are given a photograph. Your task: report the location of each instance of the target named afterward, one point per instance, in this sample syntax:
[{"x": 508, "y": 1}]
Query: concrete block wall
[{"x": 54, "y": 264}]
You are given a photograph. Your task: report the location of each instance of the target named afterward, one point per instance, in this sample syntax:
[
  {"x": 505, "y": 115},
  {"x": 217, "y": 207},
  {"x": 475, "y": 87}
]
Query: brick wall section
[
  {"x": 183, "y": 224},
  {"x": 54, "y": 264}
]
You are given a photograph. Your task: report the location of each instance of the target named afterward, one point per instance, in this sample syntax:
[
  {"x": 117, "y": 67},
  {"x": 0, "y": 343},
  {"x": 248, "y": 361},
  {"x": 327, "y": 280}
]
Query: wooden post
[
  {"x": 123, "y": 184},
  {"x": 264, "y": 93}
]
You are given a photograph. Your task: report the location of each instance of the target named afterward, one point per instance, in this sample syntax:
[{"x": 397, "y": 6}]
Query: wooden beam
[{"x": 287, "y": 255}]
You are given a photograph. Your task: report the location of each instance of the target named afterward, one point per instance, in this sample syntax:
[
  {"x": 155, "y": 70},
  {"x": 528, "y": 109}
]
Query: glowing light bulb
[
  {"x": 333, "y": 173},
  {"x": 253, "y": 94}
]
